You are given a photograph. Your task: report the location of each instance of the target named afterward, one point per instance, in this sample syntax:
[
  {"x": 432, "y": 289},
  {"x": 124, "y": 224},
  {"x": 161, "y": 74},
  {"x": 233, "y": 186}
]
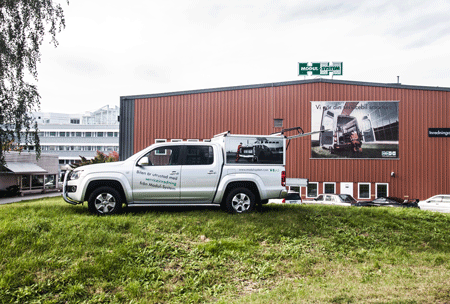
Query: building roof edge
[{"x": 286, "y": 83}]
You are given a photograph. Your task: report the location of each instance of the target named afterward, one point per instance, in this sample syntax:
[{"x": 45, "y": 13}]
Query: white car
[
  {"x": 440, "y": 202},
  {"x": 335, "y": 199}
]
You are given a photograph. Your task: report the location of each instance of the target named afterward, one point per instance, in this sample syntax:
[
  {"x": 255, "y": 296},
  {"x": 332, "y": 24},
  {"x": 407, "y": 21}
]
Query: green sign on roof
[{"x": 319, "y": 68}]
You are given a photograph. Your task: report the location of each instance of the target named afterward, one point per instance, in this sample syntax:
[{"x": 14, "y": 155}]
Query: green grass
[{"x": 52, "y": 252}]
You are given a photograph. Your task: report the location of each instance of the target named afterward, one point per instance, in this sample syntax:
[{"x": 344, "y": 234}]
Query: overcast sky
[{"x": 113, "y": 48}]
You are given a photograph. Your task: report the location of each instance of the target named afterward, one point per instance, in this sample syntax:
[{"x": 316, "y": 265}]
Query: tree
[
  {"x": 23, "y": 26},
  {"x": 98, "y": 159}
]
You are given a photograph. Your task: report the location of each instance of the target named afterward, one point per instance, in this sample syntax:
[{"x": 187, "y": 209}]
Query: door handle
[
  {"x": 174, "y": 173},
  {"x": 211, "y": 172}
]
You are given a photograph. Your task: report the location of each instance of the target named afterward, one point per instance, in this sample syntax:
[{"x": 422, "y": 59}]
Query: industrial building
[
  {"x": 378, "y": 139},
  {"x": 73, "y": 135}
]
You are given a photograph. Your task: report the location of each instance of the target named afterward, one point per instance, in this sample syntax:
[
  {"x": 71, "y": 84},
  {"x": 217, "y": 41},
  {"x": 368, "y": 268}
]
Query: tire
[
  {"x": 105, "y": 201},
  {"x": 240, "y": 200}
]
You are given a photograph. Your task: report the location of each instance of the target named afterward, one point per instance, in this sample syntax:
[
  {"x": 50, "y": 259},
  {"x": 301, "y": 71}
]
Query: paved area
[{"x": 27, "y": 197}]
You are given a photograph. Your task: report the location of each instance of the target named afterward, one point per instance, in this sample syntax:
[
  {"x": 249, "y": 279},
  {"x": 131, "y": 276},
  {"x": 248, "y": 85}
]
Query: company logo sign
[
  {"x": 439, "y": 132},
  {"x": 319, "y": 68},
  {"x": 388, "y": 153}
]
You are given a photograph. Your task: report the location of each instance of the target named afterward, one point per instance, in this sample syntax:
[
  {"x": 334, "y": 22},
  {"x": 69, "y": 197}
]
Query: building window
[
  {"x": 381, "y": 190},
  {"x": 50, "y": 181},
  {"x": 278, "y": 123},
  {"x": 364, "y": 190},
  {"x": 75, "y": 121},
  {"x": 311, "y": 190},
  {"x": 37, "y": 181},
  {"x": 99, "y": 134},
  {"x": 329, "y": 188},
  {"x": 53, "y": 134},
  {"x": 294, "y": 189},
  {"x": 88, "y": 134},
  {"x": 110, "y": 134},
  {"x": 62, "y": 134},
  {"x": 78, "y": 134},
  {"x": 176, "y": 140},
  {"x": 193, "y": 140},
  {"x": 160, "y": 151}
]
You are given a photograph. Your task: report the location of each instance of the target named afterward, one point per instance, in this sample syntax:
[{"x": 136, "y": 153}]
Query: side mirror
[{"x": 144, "y": 161}]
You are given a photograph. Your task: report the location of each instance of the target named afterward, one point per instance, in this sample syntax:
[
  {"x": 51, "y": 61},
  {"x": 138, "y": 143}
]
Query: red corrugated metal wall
[{"x": 423, "y": 166}]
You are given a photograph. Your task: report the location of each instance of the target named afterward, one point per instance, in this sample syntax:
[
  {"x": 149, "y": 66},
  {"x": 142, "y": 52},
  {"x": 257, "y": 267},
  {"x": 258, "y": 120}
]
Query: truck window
[
  {"x": 163, "y": 156},
  {"x": 199, "y": 155}
]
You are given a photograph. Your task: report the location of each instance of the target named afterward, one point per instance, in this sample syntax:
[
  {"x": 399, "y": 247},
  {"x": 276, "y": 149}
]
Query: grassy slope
[{"x": 52, "y": 252}]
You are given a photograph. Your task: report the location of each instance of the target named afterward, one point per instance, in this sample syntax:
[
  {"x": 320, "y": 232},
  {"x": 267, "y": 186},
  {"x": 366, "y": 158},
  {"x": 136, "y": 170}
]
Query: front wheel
[
  {"x": 240, "y": 200},
  {"x": 105, "y": 201}
]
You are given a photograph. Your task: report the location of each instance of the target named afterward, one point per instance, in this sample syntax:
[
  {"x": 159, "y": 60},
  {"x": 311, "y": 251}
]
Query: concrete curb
[{"x": 27, "y": 197}]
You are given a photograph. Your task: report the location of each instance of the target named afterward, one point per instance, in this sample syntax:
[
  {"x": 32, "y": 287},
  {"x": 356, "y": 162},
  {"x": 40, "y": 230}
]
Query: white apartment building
[{"x": 73, "y": 135}]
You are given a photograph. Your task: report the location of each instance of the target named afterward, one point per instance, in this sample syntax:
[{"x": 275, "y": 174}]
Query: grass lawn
[{"x": 52, "y": 252}]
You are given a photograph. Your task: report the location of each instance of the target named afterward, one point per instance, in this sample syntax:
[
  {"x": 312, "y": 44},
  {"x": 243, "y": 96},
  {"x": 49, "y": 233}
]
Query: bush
[{"x": 10, "y": 191}]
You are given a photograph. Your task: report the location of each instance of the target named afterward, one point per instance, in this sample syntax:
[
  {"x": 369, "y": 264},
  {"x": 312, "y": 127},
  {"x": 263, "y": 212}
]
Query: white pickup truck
[{"x": 183, "y": 173}]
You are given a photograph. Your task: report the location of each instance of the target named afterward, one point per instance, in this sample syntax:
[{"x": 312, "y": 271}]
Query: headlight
[{"x": 75, "y": 174}]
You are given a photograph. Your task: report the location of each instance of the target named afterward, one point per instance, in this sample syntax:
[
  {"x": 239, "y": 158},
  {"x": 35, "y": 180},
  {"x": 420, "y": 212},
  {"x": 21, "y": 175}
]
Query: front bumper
[{"x": 66, "y": 198}]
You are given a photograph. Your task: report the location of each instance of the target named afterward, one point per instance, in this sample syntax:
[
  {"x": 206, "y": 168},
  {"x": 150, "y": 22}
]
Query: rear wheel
[
  {"x": 105, "y": 201},
  {"x": 240, "y": 200}
]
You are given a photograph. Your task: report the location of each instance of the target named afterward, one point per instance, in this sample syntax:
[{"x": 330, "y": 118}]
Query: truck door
[
  {"x": 326, "y": 138},
  {"x": 368, "y": 134},
  {"x": 199, "y": 174},
  {"x": 156, "y": 176}
]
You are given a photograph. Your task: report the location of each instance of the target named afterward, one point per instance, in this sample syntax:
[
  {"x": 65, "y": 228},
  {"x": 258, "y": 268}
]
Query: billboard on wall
[{"x": 355, "y": 129}]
